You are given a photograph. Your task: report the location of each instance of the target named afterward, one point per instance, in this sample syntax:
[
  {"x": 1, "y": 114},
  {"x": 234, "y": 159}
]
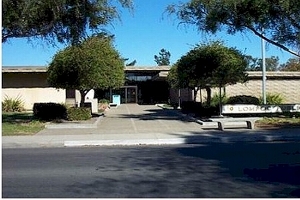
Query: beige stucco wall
[
  {"x": 288, "y": 89},
  {"x": 35, "y": 95}
]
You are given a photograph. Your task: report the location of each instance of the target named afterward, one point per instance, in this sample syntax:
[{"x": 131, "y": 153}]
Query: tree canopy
[
  {"x": 276, "y": 21},
  {"x": 163, "y": 58},
  {"x": 255, "y": 64},
  {"x": 65, "y": 21},
  {"x": 293, "y": 64},
  {"x": 209, "y": 65},
  {"x": 92, "y": 64}
]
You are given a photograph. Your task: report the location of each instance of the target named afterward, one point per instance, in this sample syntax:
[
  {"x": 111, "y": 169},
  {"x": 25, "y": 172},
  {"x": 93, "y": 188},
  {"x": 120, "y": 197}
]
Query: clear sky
[{"x": 139, "y": 36}]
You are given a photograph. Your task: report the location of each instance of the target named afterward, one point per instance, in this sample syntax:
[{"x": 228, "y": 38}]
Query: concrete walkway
[{"x": 132, "y": 124}]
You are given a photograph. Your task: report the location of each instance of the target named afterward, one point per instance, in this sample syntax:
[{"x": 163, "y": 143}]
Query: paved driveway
[{"x": 134, "y": 118}]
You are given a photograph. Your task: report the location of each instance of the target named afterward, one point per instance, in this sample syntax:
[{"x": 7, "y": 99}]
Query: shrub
[
  {"x": 104, "y": 101},
  {"x": 273, "y": 99},
  {"x": 216, "y": 99},
  {"x": 190, "y": 106},
  {"x": 49, "y": 111},
  {"x": 198, "y": 109},
  {"x": 12, "y": 105},
  {"x": 81, "y": 113},
  {"x": 243, "y": 99}
]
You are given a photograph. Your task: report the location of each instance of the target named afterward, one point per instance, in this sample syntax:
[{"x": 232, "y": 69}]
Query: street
[{"x": 240, "y": 169}]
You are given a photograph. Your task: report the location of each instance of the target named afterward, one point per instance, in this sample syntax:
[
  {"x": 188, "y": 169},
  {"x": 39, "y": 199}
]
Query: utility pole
[{"x": 264, "y": 78}]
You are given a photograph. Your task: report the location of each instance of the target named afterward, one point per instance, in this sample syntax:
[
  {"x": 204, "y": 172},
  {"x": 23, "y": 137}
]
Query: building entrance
[{"x": 128, "y": 94}]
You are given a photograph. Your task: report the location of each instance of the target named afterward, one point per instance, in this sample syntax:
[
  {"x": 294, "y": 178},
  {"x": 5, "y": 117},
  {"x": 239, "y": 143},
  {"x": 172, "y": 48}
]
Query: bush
[
  {"x": 216, "y": 99},
  {"x": 104, "y": 101},
  {"x": 12, "y": 105},
  {"x": 190, "y": 106},
  {"x": 243, "y": 99},
  {"x": 272, "y": 99},
  {"x": 49, "y": 111},
  {"x": 198, "y": 109},
  {"x": 82, "y": 113}
]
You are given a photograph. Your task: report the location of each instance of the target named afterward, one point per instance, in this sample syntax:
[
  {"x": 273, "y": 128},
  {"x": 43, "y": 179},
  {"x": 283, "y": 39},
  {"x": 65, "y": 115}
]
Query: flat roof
[
  {"x": 161, "y": 70},
  {"x": 28, "y": 69}
]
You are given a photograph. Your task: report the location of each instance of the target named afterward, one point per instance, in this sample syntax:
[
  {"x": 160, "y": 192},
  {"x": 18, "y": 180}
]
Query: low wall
[
  {"x": 287, "y": 84},
  {"x": 35, "y": 95}
]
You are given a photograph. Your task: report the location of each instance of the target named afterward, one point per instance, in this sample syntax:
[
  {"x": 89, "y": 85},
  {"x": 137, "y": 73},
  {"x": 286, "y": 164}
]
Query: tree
[
  {"x": 92, "y": 64},
  {"x": 131, "y": 63},
  {"x": 255, "y": 64},
  {"x": 61, "y": 20},
  {"x": 163, "y": 58},
  {"x": 293, "y": 64},
  {"x": 276, "y": 21},
  {"x": 210, "y": 65}
]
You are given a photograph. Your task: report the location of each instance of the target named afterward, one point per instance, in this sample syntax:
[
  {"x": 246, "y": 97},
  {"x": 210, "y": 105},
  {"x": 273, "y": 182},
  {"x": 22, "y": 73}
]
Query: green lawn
[
  {"x": 279, "y": 122},
  {"x": 20, "y": 124}
]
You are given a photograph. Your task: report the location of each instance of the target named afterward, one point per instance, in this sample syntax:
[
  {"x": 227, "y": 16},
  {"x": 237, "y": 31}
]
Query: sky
[{"x": 139, "y": 36}]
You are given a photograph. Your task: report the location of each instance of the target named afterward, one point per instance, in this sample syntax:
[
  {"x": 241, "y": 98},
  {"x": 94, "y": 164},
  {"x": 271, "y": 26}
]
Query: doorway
[{"x": 128, "y": 94}]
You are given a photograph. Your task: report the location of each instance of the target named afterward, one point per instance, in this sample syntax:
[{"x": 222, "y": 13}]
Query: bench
[{"x": 250, "y": 122}]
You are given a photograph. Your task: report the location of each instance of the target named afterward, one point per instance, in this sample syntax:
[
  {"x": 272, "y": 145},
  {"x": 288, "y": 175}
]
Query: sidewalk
[{"x": 131, "y": 124}]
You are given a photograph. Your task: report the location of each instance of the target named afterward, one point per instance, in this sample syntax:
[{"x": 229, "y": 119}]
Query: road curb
[{"x": 125, "y": 142}]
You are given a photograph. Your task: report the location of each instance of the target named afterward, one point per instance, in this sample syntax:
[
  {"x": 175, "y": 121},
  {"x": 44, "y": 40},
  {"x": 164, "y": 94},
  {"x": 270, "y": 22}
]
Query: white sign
[{"x": 248, "y": 108}]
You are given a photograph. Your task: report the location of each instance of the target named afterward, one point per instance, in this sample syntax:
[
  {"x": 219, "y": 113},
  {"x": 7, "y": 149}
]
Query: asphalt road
[{"x": 215, "y": 170}]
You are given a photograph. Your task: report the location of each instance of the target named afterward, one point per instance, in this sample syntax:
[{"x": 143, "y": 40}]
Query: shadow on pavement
[
  {"x": 268, "y": 163},
  {"x": 159, "y": 114}
]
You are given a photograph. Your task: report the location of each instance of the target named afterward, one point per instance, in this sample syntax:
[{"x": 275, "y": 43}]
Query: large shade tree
[
  {"x": 276, "y": 21},
  {"x": 92, "y": 64},
  {"x": 65, "y": 21},
  {"x": 209, "y": 65}
]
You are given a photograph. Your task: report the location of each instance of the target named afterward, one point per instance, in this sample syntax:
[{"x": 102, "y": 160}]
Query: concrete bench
[{"x": 250, "y": 122}]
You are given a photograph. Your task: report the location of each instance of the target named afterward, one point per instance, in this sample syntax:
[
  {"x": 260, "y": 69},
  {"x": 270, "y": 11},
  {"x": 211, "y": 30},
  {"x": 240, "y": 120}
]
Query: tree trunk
[
  {"x": 208, "y": 91},
  {"x": 82, "y": 94},
  {"x": 195, "y": 93},
  {"x": 200, "y": 92},
  {"x": 220, "y": 100}
]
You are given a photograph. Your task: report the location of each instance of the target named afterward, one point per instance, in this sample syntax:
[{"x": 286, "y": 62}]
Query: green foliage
[
  {"x": 211, "y": 65},
  {"x": 76, "y": 114},
  {"x": 273, "y": 99},
  {"x": 277, "y": 21},
  {"x": 49, "y": 111},
  {"x": 243, "y": 99},
  {"x": 12, "y": 105},
  {"x": 163, "y": 58},
  {"x": 198, "y": 109},
  {"x": 20, "y": 123},
  {"x": 59, "y": 20},
  {"x": 215, "y": 100},
  {"x": 104, "y": 101},
  {"x": 93, "y": 64},
  {"x": 255, "y": 64},
  {"x": 172, "y": 77},
  {"x": 293, "y": 64}
]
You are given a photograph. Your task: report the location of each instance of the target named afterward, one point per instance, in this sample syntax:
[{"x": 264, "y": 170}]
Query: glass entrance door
[{"x": 131, "y": 94}]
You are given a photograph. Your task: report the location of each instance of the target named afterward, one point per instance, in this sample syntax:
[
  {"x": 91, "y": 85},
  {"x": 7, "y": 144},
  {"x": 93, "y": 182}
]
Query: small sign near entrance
[
  {"x": 116, "y": 99},
  {"x": 248, "y": 108}
]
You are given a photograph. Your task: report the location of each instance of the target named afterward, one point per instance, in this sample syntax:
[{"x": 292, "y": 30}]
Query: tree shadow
[
  {"x": 17, "y": 118},
  {"x": 159, "y": 114},
  {"x": 264, "y": 162}
]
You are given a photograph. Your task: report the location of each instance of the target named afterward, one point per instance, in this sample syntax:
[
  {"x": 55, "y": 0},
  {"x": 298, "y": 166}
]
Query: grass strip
[{"x": 20, "y": 124}]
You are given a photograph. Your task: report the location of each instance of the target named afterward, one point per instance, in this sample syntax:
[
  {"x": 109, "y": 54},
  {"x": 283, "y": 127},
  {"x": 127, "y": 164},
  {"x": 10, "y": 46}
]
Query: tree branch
[{"x": 272, "y": 42}]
